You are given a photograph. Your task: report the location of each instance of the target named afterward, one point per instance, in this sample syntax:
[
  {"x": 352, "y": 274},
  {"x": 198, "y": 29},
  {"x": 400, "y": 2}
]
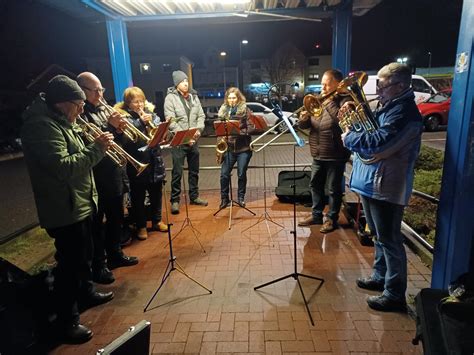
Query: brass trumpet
[
  {"x": 115, "y": 152},
  {"x": 132, "y": 132}
]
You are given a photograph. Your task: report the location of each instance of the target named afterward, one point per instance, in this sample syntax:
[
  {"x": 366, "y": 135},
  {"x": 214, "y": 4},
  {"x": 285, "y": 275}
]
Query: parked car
[
  {"x": 435, "y": 110},
  {"x": 269, "y": 117}
]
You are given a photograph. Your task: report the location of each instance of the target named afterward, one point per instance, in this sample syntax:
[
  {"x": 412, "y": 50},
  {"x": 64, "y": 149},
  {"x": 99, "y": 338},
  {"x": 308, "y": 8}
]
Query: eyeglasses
[
  {"x": 386, "y": 86},
  {"x": 79, "y": 106},
  {"x": 98, "y": 90}
]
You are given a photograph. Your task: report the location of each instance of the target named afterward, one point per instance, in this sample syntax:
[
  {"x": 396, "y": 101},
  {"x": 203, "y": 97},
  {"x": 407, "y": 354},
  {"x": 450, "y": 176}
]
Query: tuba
[
  {"x": 358, "y": 116},
  {"x": 115, "y": 152}
]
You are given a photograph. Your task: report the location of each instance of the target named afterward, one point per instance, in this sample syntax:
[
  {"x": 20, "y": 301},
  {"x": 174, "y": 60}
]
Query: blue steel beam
[
  {"x": 341, "y": 37},
  {"x": 119, "y": 56},
  {"x": 455, "y": 224}
]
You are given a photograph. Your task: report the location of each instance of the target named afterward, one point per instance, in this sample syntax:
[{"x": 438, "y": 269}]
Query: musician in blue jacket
[{"x": 382, "y": 175}]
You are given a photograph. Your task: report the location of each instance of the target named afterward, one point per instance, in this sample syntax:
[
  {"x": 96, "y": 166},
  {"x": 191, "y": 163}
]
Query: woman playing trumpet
[
  {"x": 139, "y": 112},
  {"x": 238, "y": 147}
]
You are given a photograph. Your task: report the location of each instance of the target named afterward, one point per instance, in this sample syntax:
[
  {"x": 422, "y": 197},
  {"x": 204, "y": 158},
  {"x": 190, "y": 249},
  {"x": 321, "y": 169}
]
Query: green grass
[{"x": 31, "y": 251}]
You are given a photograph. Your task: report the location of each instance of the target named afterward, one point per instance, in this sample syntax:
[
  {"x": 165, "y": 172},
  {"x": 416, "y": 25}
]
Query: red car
[{"x": 435, "y": 110}]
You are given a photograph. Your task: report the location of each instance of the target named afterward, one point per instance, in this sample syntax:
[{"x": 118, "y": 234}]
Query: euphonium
[
  {"x": 221, "y": 148},
  {"x": 115, "y": 152}
]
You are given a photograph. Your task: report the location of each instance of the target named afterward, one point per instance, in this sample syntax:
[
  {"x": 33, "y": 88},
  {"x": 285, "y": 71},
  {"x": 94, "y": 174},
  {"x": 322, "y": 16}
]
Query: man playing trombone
[
  {"x": 329, "y": 155},
  {"x": 110, "y": 182}
]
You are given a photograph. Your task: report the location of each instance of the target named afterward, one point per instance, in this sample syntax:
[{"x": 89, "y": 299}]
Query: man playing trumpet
[
  {"x": 110, "y": 182},
  {"x": 329, "y": 155}
]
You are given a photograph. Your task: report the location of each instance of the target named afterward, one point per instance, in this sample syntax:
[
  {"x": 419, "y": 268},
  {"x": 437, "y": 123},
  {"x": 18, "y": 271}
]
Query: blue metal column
[
  {"x": 341, "y": 38},
  {"x": 455, "y": 225},
  {"x": 119, "y": 56}
]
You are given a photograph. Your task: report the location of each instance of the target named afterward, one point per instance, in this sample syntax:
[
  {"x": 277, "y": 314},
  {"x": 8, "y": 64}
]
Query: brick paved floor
[{"x": 235, "y": 318}]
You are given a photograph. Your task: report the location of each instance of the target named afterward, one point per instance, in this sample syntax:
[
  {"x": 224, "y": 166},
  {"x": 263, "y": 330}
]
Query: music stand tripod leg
[
  {"x": 295, "y": 275},
  {"x": 187, "y": 221},
  {"x": 171, "y": 262}
]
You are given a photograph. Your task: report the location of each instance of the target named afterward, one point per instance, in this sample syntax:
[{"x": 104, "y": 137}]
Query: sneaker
[
  {"x": 328, "y": 226},
  {"x": 199, "y": 201},
  {"x": 174, "y": 207},
  {"x": 310, "y": 221},
  {"x": 160, "y": 226},
  {"x": 241, "y": 202},
  {"x": 142, "y": 234},
  {"x": 367, "y": 283},
  {"x": 384, "y": 304}
]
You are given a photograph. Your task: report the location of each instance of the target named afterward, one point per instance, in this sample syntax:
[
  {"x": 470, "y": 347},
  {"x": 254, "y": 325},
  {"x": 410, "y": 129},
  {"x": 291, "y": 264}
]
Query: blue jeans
[
  {"x": 390, "y": 261},
  {"x": 191, "y": 153},
  {"x": 230, "y": 158},
  {"x": 330, "y": 173}
]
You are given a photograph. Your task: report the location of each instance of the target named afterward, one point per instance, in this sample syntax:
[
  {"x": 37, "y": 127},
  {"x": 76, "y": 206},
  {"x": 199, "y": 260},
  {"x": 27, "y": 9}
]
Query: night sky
[{"x": 35, "y": 36}]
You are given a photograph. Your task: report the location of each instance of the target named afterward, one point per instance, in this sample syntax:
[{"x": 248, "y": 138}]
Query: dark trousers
[
  {"x": 330, "y": 174},
  {"x": 191, "y": 153},
  {"x": 107, "y": 235},
  {"x": 242, "y": 159},
  {"x": 72, "y": 275},
  {"x": 390, "y": 259},
  {"x": 138, "y": 191}
]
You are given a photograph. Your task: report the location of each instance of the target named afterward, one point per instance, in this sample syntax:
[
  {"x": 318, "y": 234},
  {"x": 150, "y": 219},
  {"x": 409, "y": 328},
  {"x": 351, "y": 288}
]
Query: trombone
[
  {"x": 311, "y": 103},
  {"x": 115, "y": 152},
  {"x": 132, "y": 132}
]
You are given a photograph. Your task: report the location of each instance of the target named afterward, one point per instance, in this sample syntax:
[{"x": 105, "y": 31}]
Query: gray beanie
[
  {"x": 62, "y": 89},
  {"x": 178, "y": 76}
]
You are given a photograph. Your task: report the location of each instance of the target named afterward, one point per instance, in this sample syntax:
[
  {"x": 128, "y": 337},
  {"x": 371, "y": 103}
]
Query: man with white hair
[{"x": 382, "y": 175}]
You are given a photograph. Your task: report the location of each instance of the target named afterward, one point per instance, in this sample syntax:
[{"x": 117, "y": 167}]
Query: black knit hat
[{"x": 62, "y": 89}]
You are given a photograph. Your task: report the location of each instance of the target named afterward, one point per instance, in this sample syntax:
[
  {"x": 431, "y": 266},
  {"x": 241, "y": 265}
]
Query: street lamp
[
  {"x": 223, "y": 54},
  {"x": 429, "y": 62},
  {"x": 241, "y": 76},
  {"x": 403, "y": 60}
]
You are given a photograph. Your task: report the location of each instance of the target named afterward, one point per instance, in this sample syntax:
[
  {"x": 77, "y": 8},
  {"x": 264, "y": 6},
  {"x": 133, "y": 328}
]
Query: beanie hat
[
  {"x": 62, "y": 89},
  {"x": 178, "y": 76}
]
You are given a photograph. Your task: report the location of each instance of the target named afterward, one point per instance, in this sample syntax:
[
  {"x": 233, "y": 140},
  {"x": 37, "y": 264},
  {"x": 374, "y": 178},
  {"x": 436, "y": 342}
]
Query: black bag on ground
[{"x": 284, "y": 190}]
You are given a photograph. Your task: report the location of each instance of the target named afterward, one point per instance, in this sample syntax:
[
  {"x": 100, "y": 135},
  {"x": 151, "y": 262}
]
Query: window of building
[
  {"x": 313, "y": 61},
  {"x": 167, "y": 68},
  {"x": 313, "y": 76}
]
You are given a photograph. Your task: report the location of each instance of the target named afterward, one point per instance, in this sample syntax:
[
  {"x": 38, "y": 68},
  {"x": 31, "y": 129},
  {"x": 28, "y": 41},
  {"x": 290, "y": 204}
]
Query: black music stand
[
  {"x": 260, "y": 123},
  {"x": 295, "y": 274},
  {"x": 172, "y": 262},
  {"x": 181, "y": 138},
  {"x": 225, "y": 129}
]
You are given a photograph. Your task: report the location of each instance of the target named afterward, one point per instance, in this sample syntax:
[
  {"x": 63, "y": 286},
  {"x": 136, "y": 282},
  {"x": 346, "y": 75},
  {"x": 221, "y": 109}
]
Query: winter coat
[
  {"x": 155, "y": 172},
  {"x": 60, "y": 166},
  {"x": 241, "y": 143},
  {"x": 325, "y": 134},
  {"x": 110, "y": 178},
  {"x": 396, "y": 143},
  {"x": 184, "y": 113}
]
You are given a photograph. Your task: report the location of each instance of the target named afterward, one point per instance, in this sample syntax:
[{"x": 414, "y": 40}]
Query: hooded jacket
[
  {"x": 59, "y": 165},
  {"x": 183, "y": 117},
  {"x": 240, "y": 143},
  {"x": 396, "y": 144}
]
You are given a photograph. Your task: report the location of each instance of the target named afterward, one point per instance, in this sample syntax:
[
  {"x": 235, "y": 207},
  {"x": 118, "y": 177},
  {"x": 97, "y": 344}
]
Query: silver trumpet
[
  {"x": 115, "y": 152},
  {"x": 132, "y": 132}
]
